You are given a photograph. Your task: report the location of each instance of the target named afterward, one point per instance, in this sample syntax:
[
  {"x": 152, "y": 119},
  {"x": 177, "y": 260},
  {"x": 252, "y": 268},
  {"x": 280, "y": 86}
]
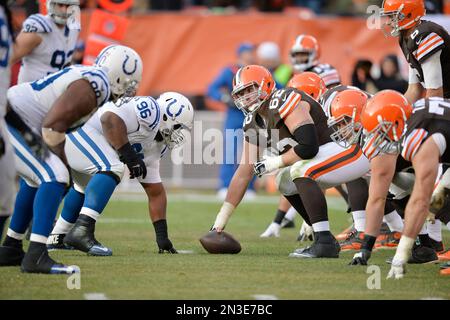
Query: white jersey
[
  {"x": 33, "y": 100},
  {"x": 53, "y": 53},
  {"x": 5, "y": 53},
  {"x": 89, "y": 152}
]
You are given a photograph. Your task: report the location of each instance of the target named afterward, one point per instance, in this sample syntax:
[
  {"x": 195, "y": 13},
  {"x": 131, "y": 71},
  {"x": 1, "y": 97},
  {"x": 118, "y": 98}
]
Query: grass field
[{"x": 137, "y": 271}]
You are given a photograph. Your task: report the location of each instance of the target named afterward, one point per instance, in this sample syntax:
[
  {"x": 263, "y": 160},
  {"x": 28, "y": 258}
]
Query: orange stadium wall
[{"x": 185, "y": 51}]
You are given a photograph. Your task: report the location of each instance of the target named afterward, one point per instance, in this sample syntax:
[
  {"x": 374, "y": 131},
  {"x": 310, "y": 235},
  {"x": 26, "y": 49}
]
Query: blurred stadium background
[{"x": 186, "y": 43}]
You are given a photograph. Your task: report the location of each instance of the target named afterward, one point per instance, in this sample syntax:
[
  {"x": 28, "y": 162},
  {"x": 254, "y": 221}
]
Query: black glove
[
  {"x": 162, "y": 239},
  {"x": 134, "y": 163},
  {"x": 2, "y": 146},
  {"x": 361, "y": 258}
]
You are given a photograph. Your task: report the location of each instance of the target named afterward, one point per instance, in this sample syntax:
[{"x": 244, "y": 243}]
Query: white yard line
[
  {"x": 95, "y": 296},
  {"x": 265, "y": 297}
]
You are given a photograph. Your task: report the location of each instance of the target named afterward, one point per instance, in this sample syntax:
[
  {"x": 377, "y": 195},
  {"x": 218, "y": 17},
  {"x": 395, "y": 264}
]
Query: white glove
[
  {"x": 306, "y": 232},
  {"x": 398, "y": 269},
  {"x": 267, "y": 165},
  {"x": 273, "y": 230}
]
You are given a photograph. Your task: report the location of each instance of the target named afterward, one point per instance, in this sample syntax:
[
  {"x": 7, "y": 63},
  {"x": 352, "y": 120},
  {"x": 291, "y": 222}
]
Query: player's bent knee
[{"x": 111, "y": 174}]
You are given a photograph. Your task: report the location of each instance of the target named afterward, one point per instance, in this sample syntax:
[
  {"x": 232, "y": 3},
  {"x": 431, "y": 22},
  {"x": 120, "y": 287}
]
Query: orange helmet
[
  {"x": 308, "y": 82},
  {"x": 252, "y": 85},
  {"x": 345, "y": 116},
  {"x": 305, "y": 44},
  {"x": 402, "y": 14},
  {"x": 384, "y": 121}
]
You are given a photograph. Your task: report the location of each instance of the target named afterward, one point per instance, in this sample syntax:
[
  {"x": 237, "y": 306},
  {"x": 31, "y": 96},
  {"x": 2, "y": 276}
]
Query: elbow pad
[{"x": 308, "y": 142}]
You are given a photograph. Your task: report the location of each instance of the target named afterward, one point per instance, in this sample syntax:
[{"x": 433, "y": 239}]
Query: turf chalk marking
[
  {"x": 95, "y": 296},
  {"x": 264, "y": 297}
]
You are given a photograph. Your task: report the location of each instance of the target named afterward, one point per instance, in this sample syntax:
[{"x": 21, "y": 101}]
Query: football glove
[
  {"x": 398, "y": 270},
  {"x": 361, "y": 258},
  {"x": 135, "y": 164},
  {"x": 306, "y": 233},
  {"x": 273, "y": 230},
  {"x": 267, "y": 165}
]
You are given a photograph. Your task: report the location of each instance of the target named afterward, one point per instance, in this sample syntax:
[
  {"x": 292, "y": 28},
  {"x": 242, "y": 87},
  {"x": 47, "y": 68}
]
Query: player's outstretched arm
[
  {"x": 76, "y": 102},
  {"x": 382, "y": 171},
  {"x": 157, "y": 204},
  {"x": 238, "y": 185}
]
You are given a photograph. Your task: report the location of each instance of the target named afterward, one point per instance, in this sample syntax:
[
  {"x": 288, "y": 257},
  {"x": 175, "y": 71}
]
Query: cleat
[
  {"x": 11, "y": 256},
  {"x": 344, "y": 234},
  {"x": 361, "y": 258},
  {"x": 445, "y": 272},
  {"x": 81, "y": 237},
  {"x": 273, "y": 230},
  {"x": 353, "y": 242},
  {"x": 37, "y": 260},
  {"x": 444, "y": 256},
  {"x": 389, "y": 240},
  {"x": 56, "y": 242},
  {"x": 420, "y": 255},
  {"x": 445, "y": 265},
  {"x": 437, "y": 245},
  {"x": 322, "y": 247}
]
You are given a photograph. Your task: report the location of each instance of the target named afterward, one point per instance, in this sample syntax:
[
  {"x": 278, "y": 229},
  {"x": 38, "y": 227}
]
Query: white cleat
[{"x": 273, "y": 230}]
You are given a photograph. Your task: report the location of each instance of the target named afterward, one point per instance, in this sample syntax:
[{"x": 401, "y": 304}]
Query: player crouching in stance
[
  {"x": 136, "y": 134},
  {"x": 419, "y": 134},
  {"x": 50, "y": 107}
]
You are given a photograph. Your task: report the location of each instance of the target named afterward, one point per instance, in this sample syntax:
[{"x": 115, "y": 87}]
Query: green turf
[{"x": 137, "y": 271}]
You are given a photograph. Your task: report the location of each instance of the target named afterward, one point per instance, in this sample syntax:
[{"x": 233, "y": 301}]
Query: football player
[
  {"x": 136, "y": 134},
  {"x": 425, "y": 44},
  {"x": 419, "y": 133},
  {"x": 305, "y": 55},
  {"x": 46, "y": 42},
  {"x": 296, "y": 127},
  {"x": 48, "y": 108},
  {"x": 7, "y": 170}
]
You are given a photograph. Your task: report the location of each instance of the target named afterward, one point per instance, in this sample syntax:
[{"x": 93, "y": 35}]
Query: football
[{"x": 223, "y": 242}]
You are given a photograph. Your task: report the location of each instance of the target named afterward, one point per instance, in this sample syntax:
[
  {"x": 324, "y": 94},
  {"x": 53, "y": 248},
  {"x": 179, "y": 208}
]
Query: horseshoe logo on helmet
[
  {"x": 125, "y": 64},
  {"x": 170, "y": 113}
]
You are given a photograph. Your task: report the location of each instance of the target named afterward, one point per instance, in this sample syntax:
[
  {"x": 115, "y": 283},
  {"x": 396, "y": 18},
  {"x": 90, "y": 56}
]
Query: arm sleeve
[{"x": 432, "y": 71}]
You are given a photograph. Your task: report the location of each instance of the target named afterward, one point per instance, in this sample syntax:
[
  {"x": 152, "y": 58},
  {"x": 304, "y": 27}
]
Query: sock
[
  {"x": 62, "y": 226},
  {"x": 46, "y": 203},
  {"x": 434, "y": 230},
  {"x": 2, "y": 224},
  {"x": 291, "y": 214},
  {"x": 297, "y": 203},
  {"x": 368, "y": 242},
  {"x": 359, "y": 219},
  {"x": 279, "y": 216},
  {"x": 23, "y": 208},
  {"x": 394, "y": 221},
  {"x": 97, "y": 194},
  {"x": 321, "y": 226},
  {"x": 73, "y": 202},
  {"x": 313, "y": 199}
]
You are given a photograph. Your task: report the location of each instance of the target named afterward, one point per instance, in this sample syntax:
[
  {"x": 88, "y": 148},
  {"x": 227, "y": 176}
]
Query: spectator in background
[
  {"x": 218, "y": 98},
  {"x": 362, "y": 78},
  {"x": 314, "y": 5},
  {"x": 268, "y": 56},
  {"x": 78, "y": 54},
  {"x": 390, "y": 77}
]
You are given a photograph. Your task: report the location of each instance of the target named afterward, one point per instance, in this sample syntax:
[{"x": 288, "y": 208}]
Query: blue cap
[{"x": 246, "y": 46}]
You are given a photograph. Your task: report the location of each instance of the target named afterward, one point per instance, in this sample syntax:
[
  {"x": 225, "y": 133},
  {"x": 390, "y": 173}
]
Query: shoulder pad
[
  {"x": 36, "y": 23},
  {"x": 285, "y": 101},
  {"x": 148, "y": 112}
]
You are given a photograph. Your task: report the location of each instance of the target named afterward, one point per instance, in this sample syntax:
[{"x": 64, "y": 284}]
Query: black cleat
[
  {"x": 81, "y": 237},
  {"x": 11, "y": 252},
  {"x": 37, "y": 260},
  {"x": 420, "y": 255},
  {"x": 361, "y": 258},
  {"x": 324, "y": 246},
  {"x": 437, "y": 245},
  {"x": 56, "y": 242}
]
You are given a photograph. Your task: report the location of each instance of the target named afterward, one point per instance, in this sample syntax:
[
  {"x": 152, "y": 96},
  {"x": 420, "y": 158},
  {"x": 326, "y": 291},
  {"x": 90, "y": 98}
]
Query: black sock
[
  {"x": 368, "y": 242},
  {"x": 279, "y": 216},
  {"x": 297, "y": 203},
  {"x": 161, "y": 229},
  {"x": 358, "y": 193},
  {"x": 425, "y": 241},
  {"x": 2, "y": 224},
  {"x": 11, "y": 242},
  {"x": 313, "y": 199}
]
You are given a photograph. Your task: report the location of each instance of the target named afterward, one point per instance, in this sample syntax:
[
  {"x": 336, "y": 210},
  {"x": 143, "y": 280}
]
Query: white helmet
[
  {"x": 58, "y": 16},
  {"x": 177, "y": 115},
  {"x": 123, "y": 67}
]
